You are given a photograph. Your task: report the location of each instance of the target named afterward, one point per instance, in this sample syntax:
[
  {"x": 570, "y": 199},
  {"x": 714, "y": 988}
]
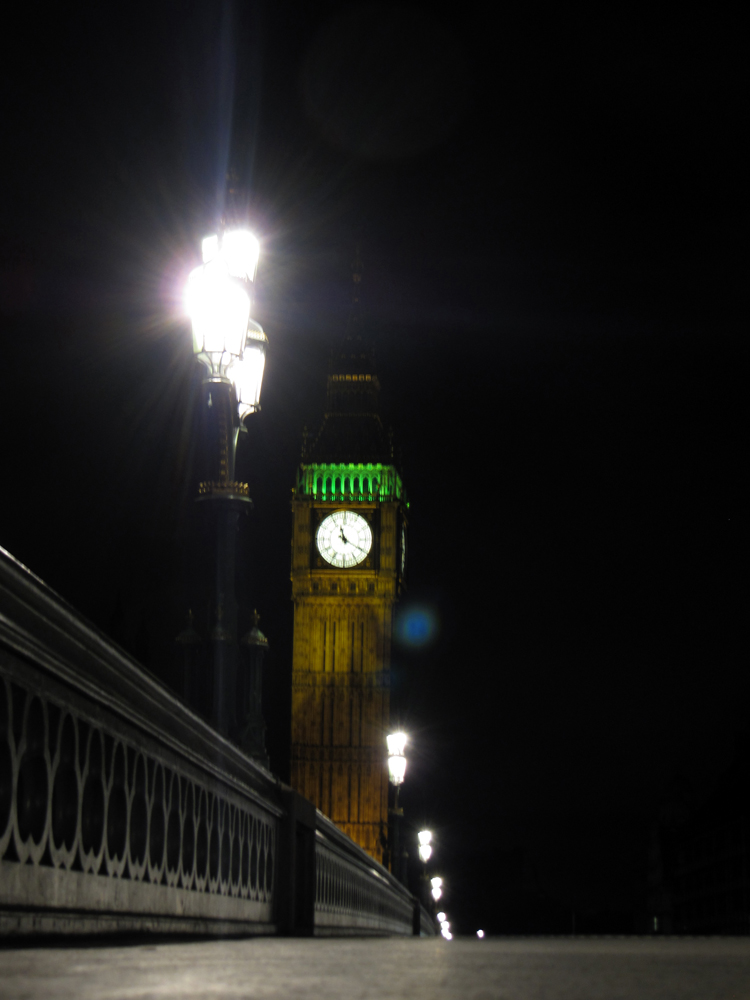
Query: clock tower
[{"x": 348, "y": 559}]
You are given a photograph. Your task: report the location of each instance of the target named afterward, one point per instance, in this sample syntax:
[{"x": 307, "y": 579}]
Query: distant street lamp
[
  {"x": 425, "y": 853},
  {"x": 396, "y": 771},
  {"x": 425, "y": 848},
  {"x": 437, "y": 887},
  {"x": 396, "y": 760},
  {"x": 231, "y": 347}
]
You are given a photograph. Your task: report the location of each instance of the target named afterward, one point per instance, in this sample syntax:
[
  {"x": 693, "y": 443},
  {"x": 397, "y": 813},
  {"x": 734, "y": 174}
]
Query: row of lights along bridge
[{"x": 396, "y": 773}]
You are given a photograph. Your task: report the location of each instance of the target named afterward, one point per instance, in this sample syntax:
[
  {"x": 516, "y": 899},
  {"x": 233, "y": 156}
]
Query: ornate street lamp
[
  {"x": 396, "y": 760},
  {"x": 425, "y": 853},
  {"x": 425, "y": 848},
  {"x": 231, "y": 347},
  {"x": 229, "y": 344},
  {"x": 396, "y": 772}
]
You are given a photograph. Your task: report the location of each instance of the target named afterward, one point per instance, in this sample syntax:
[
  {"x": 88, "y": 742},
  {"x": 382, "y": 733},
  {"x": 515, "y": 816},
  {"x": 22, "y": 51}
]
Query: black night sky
[{"x": 551, "y": 212}]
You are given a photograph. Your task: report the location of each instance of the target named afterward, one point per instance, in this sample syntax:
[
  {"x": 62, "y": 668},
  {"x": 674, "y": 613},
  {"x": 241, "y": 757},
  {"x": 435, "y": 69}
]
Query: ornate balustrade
[
  {"x": 353, "y": 894},
  {"x": 120, "y": 809}
]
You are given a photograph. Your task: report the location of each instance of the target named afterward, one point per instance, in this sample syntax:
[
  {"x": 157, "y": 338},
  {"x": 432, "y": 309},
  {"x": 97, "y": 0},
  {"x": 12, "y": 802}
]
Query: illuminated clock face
[{"x": 344, "y": 539}]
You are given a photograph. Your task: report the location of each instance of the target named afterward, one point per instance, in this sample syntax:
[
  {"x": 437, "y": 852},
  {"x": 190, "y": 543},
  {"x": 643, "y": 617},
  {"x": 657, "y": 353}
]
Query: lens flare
[{"x": 417, "y": 626}]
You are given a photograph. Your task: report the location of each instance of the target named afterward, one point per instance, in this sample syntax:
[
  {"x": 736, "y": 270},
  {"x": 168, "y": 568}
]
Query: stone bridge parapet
[{"x": 122, "y": 810}]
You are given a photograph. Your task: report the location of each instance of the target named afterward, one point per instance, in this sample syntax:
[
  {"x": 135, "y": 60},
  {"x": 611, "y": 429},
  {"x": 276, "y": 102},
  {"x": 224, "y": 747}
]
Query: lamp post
[
  {"x": 396, "y": 772},
  {"x": 424, "y": 838},
  {"x": 425, "y": 847},
  {"x": 231, "y": 347},
  {"x": 436, "y": 890},
  {"x": 250, "y": 694}
]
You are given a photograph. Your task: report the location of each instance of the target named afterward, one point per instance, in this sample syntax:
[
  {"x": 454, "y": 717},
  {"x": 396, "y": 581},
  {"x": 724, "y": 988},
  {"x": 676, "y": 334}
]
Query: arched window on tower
[
  {"x": 375, "y": 486},
  {"x": 328, "y": 485},
  {"x": 337, "y": 486},
  {"x": 317, "y": 487},
  {"x": 356, "y": 485},
  {"x": 346, "y": 485},
  {"x": 365, "y": 486}
]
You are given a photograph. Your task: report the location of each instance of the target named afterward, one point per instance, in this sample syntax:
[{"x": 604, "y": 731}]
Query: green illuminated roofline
[{"x": 349, "y": 481}]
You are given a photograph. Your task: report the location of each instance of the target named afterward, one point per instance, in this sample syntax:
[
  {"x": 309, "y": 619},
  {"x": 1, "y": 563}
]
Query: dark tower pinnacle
[{"x": 352, "y": 429}]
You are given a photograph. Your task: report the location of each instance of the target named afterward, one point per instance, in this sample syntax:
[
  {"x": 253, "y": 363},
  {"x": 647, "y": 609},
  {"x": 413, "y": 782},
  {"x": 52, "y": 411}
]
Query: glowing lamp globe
[
  {"x": 441, "y": 917},
  {"x": 396, "y": 769},
  {"x": 396, "y": 759},
  {"x": 237, "y": 249},
  {"x": 247, "y": 373},
  {"x": 437, "y": 887},
  {"x": 217, "y": 298},
  {"x": 425, "y": 851},
  {"x": 219, "y": 308}
]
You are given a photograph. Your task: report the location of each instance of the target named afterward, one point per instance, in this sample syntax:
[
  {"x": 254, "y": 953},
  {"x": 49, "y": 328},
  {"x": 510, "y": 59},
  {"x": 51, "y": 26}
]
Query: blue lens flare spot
[{"x": 416, "y": 626}]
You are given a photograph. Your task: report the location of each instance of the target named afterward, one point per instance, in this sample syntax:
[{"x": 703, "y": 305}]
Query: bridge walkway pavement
[{"x": 384, "y": 969}]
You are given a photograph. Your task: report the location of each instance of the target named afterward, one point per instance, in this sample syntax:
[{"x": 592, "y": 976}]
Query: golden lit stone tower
[{"x": 348, "y": 559}]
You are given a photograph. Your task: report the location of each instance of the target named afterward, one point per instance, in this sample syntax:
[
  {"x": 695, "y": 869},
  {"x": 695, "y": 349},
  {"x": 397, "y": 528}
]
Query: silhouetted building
[{"x": 699, "y": 861}]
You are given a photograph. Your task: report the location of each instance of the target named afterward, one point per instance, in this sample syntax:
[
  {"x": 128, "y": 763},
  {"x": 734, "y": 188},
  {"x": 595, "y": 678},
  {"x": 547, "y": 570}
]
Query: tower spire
[
  {"x": 352, "y": 353},
  {"x": 352, "y": 429},
  {"x": 354, "y": 333},
  {"x": 357, "y": 269},
  {"x": 230, "y": 216}
]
